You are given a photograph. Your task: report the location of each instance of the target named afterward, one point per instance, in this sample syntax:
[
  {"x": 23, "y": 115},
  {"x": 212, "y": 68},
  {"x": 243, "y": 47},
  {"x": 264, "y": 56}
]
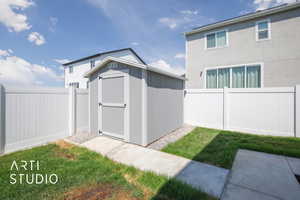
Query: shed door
[{"x": 113, "y": 104}]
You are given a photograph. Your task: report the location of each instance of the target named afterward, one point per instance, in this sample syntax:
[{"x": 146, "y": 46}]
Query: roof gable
[
  {"x": 132, "y": 64},
  {"x": 104, "y": 53}
]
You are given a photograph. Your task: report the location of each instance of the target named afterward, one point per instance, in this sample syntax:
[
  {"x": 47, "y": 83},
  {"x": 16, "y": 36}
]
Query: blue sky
[{"x": 37, "y": 35}]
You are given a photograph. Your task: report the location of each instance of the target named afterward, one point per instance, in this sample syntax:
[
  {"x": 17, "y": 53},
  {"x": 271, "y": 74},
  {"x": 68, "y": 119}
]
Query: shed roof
[
  {"x": 246, "y": 17},
  {"x": 133, "y": 64}
]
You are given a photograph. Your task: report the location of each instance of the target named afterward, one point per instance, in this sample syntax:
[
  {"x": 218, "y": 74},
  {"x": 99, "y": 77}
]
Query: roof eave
[
  {"x": 142, "y": 66},
  {"x": 244, "y": 18}
]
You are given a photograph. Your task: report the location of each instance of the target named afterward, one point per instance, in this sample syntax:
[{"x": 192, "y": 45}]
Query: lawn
[
  {"x": 83, "y": 174},
  {"x": 219, "y": 147}
]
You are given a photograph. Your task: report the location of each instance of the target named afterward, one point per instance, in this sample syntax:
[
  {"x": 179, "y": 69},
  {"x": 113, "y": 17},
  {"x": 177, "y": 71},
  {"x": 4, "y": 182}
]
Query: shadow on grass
[
  {"x": 218, "y": 147},
  {"x": 175, "y": 190}
]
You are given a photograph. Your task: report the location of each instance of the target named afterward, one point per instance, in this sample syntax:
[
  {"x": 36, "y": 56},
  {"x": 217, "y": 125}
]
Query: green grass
[
  {"x": 87, "y": 174},
  {"x": 219, "y": 147}
]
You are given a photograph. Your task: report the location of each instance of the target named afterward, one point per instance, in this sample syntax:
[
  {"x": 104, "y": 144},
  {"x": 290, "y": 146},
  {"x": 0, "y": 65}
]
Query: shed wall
[
  {"x": 135, "y": 101},
  {"x": 165, "y": 105}
]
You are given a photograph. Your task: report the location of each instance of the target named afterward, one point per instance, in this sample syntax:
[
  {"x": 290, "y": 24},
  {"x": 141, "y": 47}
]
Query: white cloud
[
  {"x": 162, "y": 64},
  {"x": 135, "y": 43},
  {"x": 53, "y": 22},
  {"x": 36, "y": 38},
  {"x": 19, "y": 72},
  {"x": 189, "y": 12},
  {"x": 14, "y": 21},
  {"x": 264, "y": 4},
  {"x": 186, "y": 17},
  {"x": 5, "y": 52},
  {"x": 179, "y": 55},
  {"x": 62, "y": 61},
  {"x": 172, "y": 23}
]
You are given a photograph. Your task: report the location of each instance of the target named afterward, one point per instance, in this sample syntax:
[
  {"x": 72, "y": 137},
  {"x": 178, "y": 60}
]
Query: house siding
[
  {"x": 280, "y": 55},
  {"x": 82, "y": 67}
]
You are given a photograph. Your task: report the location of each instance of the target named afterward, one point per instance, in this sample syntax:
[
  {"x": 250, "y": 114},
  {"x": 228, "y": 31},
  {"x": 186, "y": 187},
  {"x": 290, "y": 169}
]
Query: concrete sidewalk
[
  {"x": 262, "y": 176},
  {"x": 207, "y": 178}
]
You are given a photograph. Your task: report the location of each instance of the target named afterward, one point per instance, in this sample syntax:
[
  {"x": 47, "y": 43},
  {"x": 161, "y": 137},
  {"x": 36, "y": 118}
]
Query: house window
[
  {"x": 211, "y": 78},
  {"x": 74, "y": 84},
  {"x": 216, "y": 39},
  {"x": 70, "y": 69},
  {"x": 92, "y": 62},
  {"x": 263, "y": 30},
  {"x": 245, "y": 76}
]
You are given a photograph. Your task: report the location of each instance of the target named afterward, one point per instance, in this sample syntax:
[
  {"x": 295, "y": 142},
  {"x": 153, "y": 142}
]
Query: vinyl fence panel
[
  {"x": 265, "y": 111},
  {"x": 33, "y": 116}
]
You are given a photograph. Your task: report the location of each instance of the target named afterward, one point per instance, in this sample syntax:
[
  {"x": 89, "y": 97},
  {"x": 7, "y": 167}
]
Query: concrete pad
[
  {"x": 234, "y": 192},
  {"x": 207, "y": 178},
  {"x": 266, "y": 173},
  {"x": 102, "y": 145},
  {"x": 148, "y": 159},
  {"x": 201, "y": 176},
  {"x": 294, "y": 164}
]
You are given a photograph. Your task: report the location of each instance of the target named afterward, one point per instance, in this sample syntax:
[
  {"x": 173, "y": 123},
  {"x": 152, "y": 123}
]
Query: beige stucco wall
[{"x": 280, "y": 55}]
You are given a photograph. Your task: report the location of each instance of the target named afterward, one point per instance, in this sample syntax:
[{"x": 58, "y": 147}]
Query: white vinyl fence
[
  {"x": 33, "y": 116},
  {"x": 265, "y": 111}
]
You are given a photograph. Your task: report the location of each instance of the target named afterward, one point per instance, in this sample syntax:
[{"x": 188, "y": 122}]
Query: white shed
[{"x": 134, "y": 102}]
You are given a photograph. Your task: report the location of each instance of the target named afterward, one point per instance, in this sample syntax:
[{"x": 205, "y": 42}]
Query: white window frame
[
  {"x": 215, "y": 32},
  {"x": 257, "y": 31},
  {"x": 236, "y": 65},
  {"x": 92, "y": 63},
  {"x": 71, "y": 69}
]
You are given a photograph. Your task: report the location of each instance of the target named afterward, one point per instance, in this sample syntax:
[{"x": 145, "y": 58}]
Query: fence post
[
  {"x": 225, "y": 108},
  {"x": 297, "y": 111},
  {"x": 72, "y": 110},
  {"x": 2, "y": 119}
]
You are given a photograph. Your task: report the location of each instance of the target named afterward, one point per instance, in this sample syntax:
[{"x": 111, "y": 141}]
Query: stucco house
[
  {"x": 75, "y": 70},
  {"x": 260, "y": 49}
]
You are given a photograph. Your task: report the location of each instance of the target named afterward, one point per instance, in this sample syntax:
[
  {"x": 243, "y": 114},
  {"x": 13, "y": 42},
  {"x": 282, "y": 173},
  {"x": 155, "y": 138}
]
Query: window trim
[
  {"x": 92, "y": 63},
  {"x": 257, "y": 31},
  {"x": 215, "y": 32},
  {"x": 71, "y": 69},
  {"x": 236, "y": 65}
]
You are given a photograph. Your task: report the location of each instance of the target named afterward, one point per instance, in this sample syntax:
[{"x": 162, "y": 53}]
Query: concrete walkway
[
  {"x": 207, "y": 178},
  {"x": 262, "y": 176},
  {"x": 171, "y": 137}
]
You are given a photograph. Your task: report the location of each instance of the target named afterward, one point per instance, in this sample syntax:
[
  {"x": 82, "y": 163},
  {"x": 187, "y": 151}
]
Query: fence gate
[{"x": 113, "y": 103}]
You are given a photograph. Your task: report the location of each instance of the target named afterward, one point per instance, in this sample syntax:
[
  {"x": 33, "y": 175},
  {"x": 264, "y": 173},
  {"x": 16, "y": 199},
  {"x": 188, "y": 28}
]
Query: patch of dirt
[
  {"x": 98, "y": 192},
  {"x": 146, "y": 191},
  {"x": 66, "y": 155},
  {"x": 62, "y": 151},
  {"x": 63, "y": 144}
]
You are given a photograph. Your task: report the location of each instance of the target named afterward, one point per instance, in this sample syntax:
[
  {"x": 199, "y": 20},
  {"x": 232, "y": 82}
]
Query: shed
[{"x": 134, "y": 102}]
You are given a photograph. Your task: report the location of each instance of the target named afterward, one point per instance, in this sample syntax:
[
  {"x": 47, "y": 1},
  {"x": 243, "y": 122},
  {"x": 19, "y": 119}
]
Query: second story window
[
  {"x": 216, "y": 39},
  {"x": 70, "y": 69},
  {"x": 74, "y": 84},
  {"x": 263, "y": 30},
  {"x": 92, "y": 62}
]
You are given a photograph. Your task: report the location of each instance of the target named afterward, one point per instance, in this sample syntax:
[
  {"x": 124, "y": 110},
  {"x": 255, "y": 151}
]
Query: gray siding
[
  {"x": 135, "y": 105},
  {"x": 165, "y": 105},
  {"x": 280, "y": 55}
]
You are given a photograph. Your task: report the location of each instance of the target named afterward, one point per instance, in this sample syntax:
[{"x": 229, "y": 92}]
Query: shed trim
[
  {"x": 144, "y": 108},
  {"x": 133, "y": 64}
]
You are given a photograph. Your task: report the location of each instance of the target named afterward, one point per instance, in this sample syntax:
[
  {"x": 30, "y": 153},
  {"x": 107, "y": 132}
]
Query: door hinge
[{"x": 100, "y": 104}]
